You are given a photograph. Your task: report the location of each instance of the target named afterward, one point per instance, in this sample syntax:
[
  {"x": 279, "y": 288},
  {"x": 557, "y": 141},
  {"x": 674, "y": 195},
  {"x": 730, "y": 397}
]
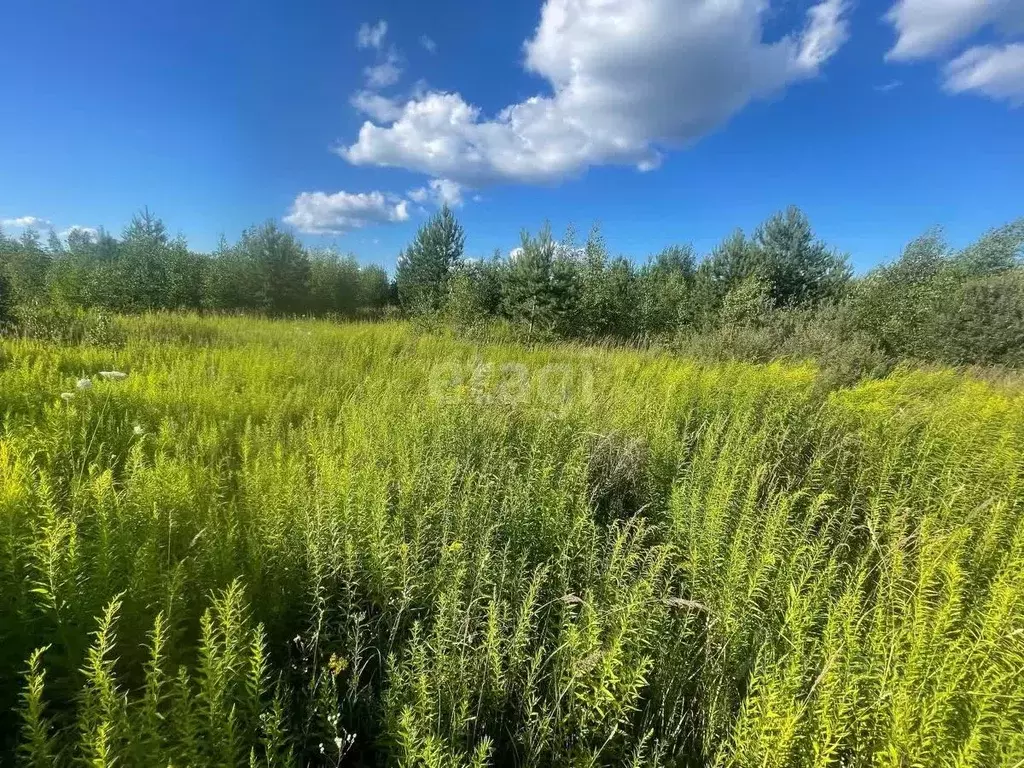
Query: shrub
[{"x": 60, "y": 324}]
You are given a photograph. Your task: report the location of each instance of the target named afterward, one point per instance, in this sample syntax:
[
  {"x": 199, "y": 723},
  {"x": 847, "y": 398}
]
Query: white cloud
[
  {"x": 826, "y": 32},
  {"x": 24, "y": 222},
  {"x": 385, "y": 73},
  {"x": 439, "y": 191},
  {"x": 419, "y": 195},
  {"x": 380, "y": 108},
  {"x": 320, "y": 213},
  {"x": 892, "y": 85},
  {"x": 627, "y": 78},
  {"x": 931, "y": 27},
  {"x": 428, "y": 44},
  {"x": 92, "y": 232},
  {"x": 372, "y": 36},
  {"x": 993, "y": 71}
]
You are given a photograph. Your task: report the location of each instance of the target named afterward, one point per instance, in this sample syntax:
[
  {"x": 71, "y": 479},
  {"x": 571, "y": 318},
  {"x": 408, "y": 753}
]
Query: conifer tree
[{"x": 426, "y": 266}]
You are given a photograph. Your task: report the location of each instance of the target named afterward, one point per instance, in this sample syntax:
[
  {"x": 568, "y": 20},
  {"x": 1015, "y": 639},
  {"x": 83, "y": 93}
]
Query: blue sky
[{"x": 667, "y": 121}]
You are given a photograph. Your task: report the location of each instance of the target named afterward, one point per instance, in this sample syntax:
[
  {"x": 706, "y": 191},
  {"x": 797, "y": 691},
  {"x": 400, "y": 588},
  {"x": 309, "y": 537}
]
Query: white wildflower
[
  {"x": 67, "y": 397},
  {"x": 138, "y": 431},
  {"x": 113, "y": 375},
  {"x": 84, "y": 384}
]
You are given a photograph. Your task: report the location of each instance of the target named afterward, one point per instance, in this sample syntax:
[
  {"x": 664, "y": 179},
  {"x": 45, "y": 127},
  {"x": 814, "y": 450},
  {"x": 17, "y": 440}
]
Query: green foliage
[
  {"x": 801, "y": 270},
  {"x": 334, "y": 284},
  {"x": 539, "y": 288},
  {"x": 982, "y": 321},
  {"x": 297, "y": 542},
  {"x": 62, "y": 324},
  {"x": 728, "y": 265},
  {"x": 749, "y": 303},
  {"x": 141, "y": 273},
  {"x": 267, "y": 271},
  {"x": 603, "y": 305},
  {"x": 186, "y": 276},
  {"x": 936, "y": 304},
  {"x": 5, "y": 284},
  {"x": 897, "y": 302},
  {"x": 997, "y": 252},
  {"x": 24, "y": 264},
  {"x": 278, "y": 267},
  {"x": 780, "y": 293},
  {"x": 427, "y": 264},
  {"x": 474, "y": 294},
  {"x": 663, "y": 297}
]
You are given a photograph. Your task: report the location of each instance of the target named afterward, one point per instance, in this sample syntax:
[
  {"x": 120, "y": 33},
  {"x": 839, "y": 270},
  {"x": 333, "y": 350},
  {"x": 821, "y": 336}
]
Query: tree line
[
  {"x": 779, "y": 291},
  {"x": 267, "y": 270}
]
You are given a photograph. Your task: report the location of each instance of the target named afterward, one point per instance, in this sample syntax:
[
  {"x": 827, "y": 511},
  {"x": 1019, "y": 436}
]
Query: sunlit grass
[{"x": 300, "y": 543}]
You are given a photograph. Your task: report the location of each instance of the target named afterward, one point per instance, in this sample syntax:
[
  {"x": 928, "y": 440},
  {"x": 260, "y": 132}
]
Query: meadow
[{"x": 291, "y": 543}]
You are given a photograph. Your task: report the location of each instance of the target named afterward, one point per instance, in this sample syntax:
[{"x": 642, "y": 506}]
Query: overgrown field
[{"x": 298, "y": 543}]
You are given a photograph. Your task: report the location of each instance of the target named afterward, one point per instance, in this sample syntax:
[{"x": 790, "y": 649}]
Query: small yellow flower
[{"x": 337, "y": 664}]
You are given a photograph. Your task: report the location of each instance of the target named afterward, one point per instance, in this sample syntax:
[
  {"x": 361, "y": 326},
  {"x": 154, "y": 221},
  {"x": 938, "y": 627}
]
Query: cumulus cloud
[
  {"x": 91, "y": 232},
  {"x": 24, "y": 222},
  {"x": 428, "y": 44},
  {"x": 372, "y": 36},
  {"x": 439, "y": 191},
  {"x": 931, "y": 27},
  {"x": 993, "y": 71},
  {"x": 626, "y": 78},
  {"x": 319, "y": 213}
]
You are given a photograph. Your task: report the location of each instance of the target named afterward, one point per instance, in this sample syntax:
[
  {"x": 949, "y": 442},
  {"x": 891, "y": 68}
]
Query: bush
[
  {"x": 65, "y": 325},
  {"x": 983, "y": 321},
  {"x": 826, "y": 336}
]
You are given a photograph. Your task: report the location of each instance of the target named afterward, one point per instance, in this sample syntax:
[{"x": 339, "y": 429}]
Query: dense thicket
[{"x": 779, "y": 292}]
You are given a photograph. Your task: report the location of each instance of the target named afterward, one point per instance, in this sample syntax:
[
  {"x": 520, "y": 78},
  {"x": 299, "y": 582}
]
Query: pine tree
[
  {"x": 730, "y": 263},
  {"x": 280, "y": 267},
  {"x": 802, "y": 270},
  {"x": 539, "y": 288},
  {"x": 425, "y": 268},
  {"x": 142, "y": 263}
]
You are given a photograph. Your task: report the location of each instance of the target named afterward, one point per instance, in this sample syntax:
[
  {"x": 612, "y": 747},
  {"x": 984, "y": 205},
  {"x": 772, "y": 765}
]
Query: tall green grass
[{"x": 296, "y": 543}]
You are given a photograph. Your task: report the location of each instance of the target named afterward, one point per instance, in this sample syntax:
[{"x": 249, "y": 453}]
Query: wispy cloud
[
  {"x": 890, "y": 86},
  {"x": 990, "y": 70},
  {"x": 385, "y": 73},
  {"x": 428, "y": 43},
  {"x": 933, "y": 29},
  {"x": 372, "y": 36}
]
